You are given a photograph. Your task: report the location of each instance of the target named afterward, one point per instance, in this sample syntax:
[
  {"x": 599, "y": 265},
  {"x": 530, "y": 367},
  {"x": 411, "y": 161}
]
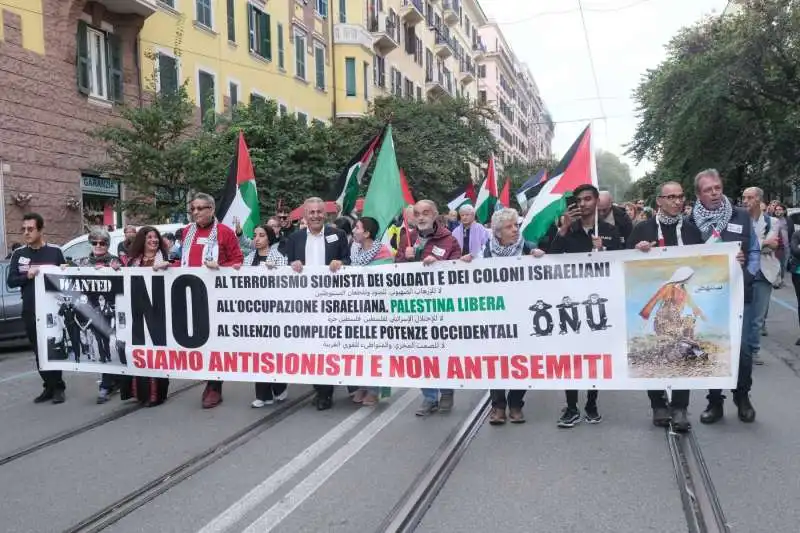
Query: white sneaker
[
  {"x": 282, "y": 396},
  {"x": 258, "y": 404}
]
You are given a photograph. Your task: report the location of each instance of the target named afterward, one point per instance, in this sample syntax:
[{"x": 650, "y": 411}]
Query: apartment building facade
[{"x": 523, "y": 128}]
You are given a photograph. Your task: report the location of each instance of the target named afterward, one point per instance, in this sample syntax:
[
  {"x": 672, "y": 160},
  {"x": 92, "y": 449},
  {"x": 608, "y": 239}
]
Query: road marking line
[
  {"x": 278, "y": 512},
  {"x": 18, "y": 376},
  {"x": 788, "y": 306},
  {"x": 266, "y": 488}
]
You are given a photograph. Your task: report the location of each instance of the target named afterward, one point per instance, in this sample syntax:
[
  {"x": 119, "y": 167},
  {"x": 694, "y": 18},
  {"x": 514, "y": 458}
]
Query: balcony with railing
[
  {"x": 443, "y": 45},
  {"x": 451, "y": 12},
  {"x": 385, "y": 31},
  {"x": 467, "y": 72},
  {"x": 144, "y": 8},
  {"x": 435, "y": 83},
  {"x": 412, "y": 12},
  {"x": 478, "y": 48}
]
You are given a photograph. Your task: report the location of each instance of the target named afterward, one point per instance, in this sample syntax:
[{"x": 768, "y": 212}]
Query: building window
[
  {"x": 233, "y": 94},
  {"x": 168, "y": 3},
  {"x": 203, "y": 14},
  {"x": 283, "y": 110},
  {"x": 302, "y": 118},
  {"x": 99, "y": 63},
  {"x": 231, "y": 21},
  {"x": 100, "y": 203},
  {"x": 299, "y": 54},
  {"x": 205, "y": 94},
  {"x": 366, "y": 80},
  {"x": 319, "y": 64},
  {"x": 260, "y": 43},
  {"x": 379, "y": 72},
  {"x": 322, "y": 8},
  {"x": 342, "y": 11},
  {"x": 350, "y": 75},
  {"x": 408, "y": 90},
  {"x": 257, "y": 100},
  {"x": 167, "y": 74},
  {"x": 419, "y": 94},
  {"x": 481, "y": 97},
  {"x": 281, "y": 50},
  {"x": 397, "y": 82}
]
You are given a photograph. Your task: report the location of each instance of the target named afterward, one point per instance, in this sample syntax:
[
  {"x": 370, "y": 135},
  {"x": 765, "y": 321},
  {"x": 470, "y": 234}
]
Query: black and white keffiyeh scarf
[
  {"x": 512, "y": 250},
  {"x": 210, "y": 250},
  {"x": 708, "y": 221},
  {"x": 361, "y": 257},
  {"x": 666, "y": 220},
  {"x": 274, "y": 258}
]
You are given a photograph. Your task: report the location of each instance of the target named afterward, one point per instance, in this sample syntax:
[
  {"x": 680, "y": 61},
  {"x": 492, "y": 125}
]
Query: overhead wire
[{"x": 572, "y": 10}]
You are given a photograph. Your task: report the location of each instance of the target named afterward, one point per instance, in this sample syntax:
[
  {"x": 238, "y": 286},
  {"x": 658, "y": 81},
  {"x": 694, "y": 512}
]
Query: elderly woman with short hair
[{"x": 506, "y": 241}]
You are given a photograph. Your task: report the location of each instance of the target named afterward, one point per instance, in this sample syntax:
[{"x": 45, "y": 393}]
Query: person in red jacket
[
  {"x": 208, "y": 243},
  {"x": 430, "y": 242}
]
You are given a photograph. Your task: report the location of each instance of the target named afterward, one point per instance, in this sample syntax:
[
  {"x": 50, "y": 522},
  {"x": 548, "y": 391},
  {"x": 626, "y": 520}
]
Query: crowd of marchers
[{"x": 592, "y": 221}]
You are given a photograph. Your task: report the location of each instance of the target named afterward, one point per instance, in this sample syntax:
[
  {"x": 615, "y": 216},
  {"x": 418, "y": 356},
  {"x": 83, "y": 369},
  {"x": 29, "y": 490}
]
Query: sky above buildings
[{"x": 626, "y": 38}]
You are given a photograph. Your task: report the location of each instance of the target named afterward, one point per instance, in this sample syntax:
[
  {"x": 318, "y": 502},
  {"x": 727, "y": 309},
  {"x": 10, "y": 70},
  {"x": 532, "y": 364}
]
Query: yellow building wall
[
  {"x": 30, "y": 12},
  {"x": 201, "y": 49}
]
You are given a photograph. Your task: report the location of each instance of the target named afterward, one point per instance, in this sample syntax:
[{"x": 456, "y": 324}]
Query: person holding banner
[
  {"x": 265, "y": 252},
  {"x": 506, "y": 241},
  {"x": 318, "y": 245},
  {"x": 581, "y": 231},
  {"x": 147, "y": 250},
  {"x": 211, "y": 244},
  {"x": 23, "y": 269},
  {"x": 431, "y": 242},
  {"x": 366, "y": 251},
  {"x": 667, "y": 228},
  {"x": 471, "y": 236},
  {"x": 719, "y": 221}
]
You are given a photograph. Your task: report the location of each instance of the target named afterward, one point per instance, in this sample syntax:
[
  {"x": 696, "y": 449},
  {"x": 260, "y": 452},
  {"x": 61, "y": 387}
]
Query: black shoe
[
  {"x": 797, "y": 342},
  {"x": 324, "y": 403},
  {"x": 713, "y": 413},
  {"x": 591, "y": 416},
  {"x": 45, "y": 396},
  {"x": 58, "y": 396},
  {"x": 569, "y": 418},
  {"x": 661, "y": 417},
  {"x": 680, "y": 420},
  {"x": 746, "y": 412}
]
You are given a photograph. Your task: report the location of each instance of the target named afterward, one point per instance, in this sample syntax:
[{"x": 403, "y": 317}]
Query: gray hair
[
  {"x": 466, "y": 208},
  {"x": 500, "y": 218},
  {"x": 707, "y": 173},
  {"x": 99, "y": 234},
  {"x": 203, "y": 197},
  {"x": 312, "y": 200},
  {"x": 757, "y": 191},
  {"x": 431, "y": 204}
]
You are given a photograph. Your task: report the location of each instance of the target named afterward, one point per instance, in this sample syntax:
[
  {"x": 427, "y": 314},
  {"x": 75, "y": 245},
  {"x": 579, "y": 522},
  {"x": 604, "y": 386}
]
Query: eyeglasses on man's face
[{"x": 99, "y": 243}]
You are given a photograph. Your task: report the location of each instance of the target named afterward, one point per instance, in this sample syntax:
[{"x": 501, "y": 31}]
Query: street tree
[{"x": 612, "y": 174}]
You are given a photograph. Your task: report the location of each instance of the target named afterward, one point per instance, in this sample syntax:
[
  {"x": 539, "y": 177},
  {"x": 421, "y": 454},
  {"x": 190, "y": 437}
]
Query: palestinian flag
[
  {"x": 504, "y": 200},
  {"x": 385, "y": 197},
  {"x": 462, "y": 195},
  {"x": 531, "y": 188},
  {"x": 239, "y": 202},
  {"x": 576, "y": 168},
  {"x": 391, "y": 236},
  {"x": 346, "y": 190},
  {"x": 487, "y": 196}
]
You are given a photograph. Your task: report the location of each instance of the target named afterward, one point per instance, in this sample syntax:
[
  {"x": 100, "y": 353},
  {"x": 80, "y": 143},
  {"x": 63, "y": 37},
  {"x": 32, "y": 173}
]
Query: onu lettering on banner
[{"x": 610, "y": 320}]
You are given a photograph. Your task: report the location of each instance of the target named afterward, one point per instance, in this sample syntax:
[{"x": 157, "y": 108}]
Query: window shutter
[
  {"x": 231, "y": 21},
  {"x": 266, "y": 41},
  {"x": 167, "y": 74},
  {"x": 251, "y": 27},
  {"x": 115, "y": 68},
  {"x": 82, "y": 59}
]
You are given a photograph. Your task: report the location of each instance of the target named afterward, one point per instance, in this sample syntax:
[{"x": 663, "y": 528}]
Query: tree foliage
[
  {"x": 612, "y": 174},
  {"x": 728, "y": 97}
]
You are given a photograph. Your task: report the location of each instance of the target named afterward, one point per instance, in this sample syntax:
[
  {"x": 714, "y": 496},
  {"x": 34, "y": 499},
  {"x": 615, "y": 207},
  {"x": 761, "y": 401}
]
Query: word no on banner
[{"x": 610, "y": 320}]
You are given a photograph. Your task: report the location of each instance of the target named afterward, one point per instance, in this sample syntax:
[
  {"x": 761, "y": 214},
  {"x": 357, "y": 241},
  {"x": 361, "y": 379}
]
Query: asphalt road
[{"x": 345, "y": 469}]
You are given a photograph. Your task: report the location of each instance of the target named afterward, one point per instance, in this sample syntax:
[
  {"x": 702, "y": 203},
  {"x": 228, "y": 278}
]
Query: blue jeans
[
  {"x": 762, "y": 291},
  {"x": 433, "y": 394}
]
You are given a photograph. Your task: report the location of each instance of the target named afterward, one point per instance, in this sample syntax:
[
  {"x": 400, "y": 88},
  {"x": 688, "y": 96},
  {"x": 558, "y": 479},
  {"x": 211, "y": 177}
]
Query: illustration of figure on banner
[{"x": 671, "y": 335}]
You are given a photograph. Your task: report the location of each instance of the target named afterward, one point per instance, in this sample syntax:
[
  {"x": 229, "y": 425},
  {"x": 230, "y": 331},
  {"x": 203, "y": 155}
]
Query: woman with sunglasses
[
  {"x": 100, "y": 257},
  {"x": 148, "y": 249}
]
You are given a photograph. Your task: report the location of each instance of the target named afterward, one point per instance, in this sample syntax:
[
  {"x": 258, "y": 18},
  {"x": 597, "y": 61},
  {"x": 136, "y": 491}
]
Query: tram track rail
[
  {"x": 410, "y": 510},
  {"x": 146, "y": 493},
  {"x": 83, "y": 428},
  {"x": 700, "y": 500}
]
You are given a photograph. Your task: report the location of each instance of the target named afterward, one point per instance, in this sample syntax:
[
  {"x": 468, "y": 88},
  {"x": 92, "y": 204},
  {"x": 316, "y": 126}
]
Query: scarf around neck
[
  {"x": 361, "y": 257},
  {"x": 709, "y": 222},
  {"x": 137, "y": 261},
  {"x": 677, "y": 221},
  {"x": 512, "y": 250},
  {"x": 210, "y": 249}
]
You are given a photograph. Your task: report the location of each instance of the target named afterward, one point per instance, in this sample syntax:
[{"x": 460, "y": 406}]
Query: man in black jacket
[
  {"x": 667, "y": 228},
  {"x": 318, "y": 245},
  {"x": 580, "y": 231},
  {"x": 22, "y": 271},
  {"x": 614, "y": 215}
]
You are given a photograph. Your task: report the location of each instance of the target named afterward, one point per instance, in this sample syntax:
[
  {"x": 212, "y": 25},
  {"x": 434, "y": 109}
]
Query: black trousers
[
  {"x": 513, "y": 400},
  {"x": 74, "y": 333},
  {"x": 102, "y": 345},
  {"x": 52, "y": 378},
  {"x": 268, "y": 391},
  {"x": 796, "y": 283},
  {"x": 572, "y": 398},
  {"x": 214, "y": 385},
  {"x": 744, "y": 381},
  {"x": 658, "y": 398},
  {"x": 326, "y": 391}
]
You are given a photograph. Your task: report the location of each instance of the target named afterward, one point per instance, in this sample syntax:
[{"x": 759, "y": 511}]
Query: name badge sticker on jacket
[
  {"x": 438, "y": 252},
  {"x": 330, "y": 239},
  {"x": 201, "y": 241},
  {"x": 735, "y": 228}
]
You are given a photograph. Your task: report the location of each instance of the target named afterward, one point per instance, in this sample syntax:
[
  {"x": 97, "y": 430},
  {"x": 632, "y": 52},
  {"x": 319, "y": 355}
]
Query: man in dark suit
[{"x": 318, "y": 245}]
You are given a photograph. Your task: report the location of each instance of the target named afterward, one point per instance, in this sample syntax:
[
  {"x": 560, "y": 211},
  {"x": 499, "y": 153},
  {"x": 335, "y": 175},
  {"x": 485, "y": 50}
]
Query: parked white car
[
  {"x": 793, "y": 213},
  {"x": 79, "y": 247}
]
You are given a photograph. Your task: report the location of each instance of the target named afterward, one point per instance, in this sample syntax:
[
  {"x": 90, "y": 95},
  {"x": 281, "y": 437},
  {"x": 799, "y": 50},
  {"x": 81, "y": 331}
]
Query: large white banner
[{"x": 610, "y": 320}]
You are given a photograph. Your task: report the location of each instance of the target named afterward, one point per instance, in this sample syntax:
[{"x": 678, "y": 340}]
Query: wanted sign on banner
[{"x": 609, "y": 320}]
